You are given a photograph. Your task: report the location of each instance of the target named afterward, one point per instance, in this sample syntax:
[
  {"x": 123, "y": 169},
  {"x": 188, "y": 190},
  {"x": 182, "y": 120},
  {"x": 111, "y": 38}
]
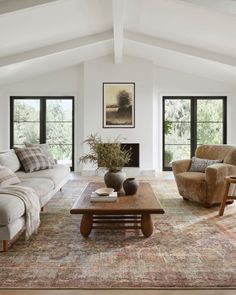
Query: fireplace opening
[{"x": 134, "y": 160}]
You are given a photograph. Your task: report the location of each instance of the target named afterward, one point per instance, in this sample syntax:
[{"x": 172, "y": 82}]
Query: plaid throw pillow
[
  {"x": 32, "y": 159},
  {"x": 45, "y": 149},
  {"x": 7, "y": 177}
]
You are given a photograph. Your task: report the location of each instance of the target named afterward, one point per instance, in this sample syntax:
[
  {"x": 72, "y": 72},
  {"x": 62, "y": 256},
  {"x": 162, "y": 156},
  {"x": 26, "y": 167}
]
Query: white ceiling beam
[
  {"x": 9, "y": 6},
  {"x": 118, "y": 13},
  {"x": 180, "y": 48},
  {"x": 51, "y": 50}
]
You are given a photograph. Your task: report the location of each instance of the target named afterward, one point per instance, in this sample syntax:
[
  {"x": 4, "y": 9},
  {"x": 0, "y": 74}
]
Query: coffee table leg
[
  {"x": 86, "y": 224},
  {"x": 146, "y": 225}
]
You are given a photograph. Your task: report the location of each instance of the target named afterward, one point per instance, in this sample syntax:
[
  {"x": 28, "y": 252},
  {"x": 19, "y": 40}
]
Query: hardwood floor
[{"x": 118, "y": 292}]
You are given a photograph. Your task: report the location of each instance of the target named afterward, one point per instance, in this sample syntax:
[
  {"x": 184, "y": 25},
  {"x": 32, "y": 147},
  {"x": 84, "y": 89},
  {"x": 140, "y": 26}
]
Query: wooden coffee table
[{"x": 128, "y": 212}]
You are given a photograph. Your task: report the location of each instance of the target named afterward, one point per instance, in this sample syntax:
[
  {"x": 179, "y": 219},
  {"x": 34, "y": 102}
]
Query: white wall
[
  {"x": 132, "y": 70},
  {"x": 84, "y": 82}
]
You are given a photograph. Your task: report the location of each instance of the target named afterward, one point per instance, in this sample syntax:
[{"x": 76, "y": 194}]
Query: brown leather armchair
[{"x": 207, "y": 188}]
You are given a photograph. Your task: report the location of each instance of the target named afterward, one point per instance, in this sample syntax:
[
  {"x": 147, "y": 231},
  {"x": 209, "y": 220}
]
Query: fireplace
[{"x": 134, "y": 160}]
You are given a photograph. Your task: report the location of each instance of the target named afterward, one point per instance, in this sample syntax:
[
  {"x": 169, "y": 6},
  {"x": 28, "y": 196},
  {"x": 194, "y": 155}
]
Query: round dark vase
[
  {"x": 130, "y": 186},
  {"x": 114, "y": 179}
]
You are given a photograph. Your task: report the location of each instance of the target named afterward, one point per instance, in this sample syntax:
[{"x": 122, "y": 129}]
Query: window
[
  {"x": 44, "y": 120},
  {"x": 189, "y": 122}
]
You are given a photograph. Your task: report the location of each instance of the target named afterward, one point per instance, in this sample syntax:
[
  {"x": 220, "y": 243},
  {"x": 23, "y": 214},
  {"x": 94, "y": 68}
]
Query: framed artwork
[{"x": 119, "y": 105}]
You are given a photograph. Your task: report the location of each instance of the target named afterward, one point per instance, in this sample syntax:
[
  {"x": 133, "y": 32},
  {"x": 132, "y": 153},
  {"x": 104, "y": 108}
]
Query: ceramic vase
[
  {"x": 130, "y": 186},
  {"x": 114, "y": 179}
]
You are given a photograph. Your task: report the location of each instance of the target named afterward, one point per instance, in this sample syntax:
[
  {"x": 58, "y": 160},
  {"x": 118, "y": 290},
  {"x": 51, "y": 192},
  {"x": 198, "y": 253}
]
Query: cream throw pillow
[
  {"x": 7, "y": 177},
  {"x": 9, "y": 159}
]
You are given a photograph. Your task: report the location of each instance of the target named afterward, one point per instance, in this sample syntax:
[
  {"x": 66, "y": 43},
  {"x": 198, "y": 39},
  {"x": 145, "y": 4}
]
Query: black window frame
[
  {"x": 42, "y": 119},
  {"x": 193, "y": 132}
]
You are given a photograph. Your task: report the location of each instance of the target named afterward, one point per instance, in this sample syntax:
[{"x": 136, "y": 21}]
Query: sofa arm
[{"x": 181, "y": 166}]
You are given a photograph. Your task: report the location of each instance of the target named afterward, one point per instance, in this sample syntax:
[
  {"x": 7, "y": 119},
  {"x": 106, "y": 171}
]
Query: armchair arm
[
  {"x": 181, "y": 166},
  {"x": 215, "y": 175},
  {"x": 217, "y": 172}
]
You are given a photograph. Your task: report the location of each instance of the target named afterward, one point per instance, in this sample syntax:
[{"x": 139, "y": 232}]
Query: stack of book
[{"x": 95, "y": 197}]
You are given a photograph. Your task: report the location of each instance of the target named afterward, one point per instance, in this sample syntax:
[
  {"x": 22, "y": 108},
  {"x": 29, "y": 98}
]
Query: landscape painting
[{"x": 118, "y": 105}]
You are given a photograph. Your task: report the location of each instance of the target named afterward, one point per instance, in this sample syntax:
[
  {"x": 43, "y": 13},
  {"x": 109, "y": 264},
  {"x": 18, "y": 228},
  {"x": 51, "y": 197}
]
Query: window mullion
[
  {"x": 225, "y": 120},
  {"x": 194, "y": 126},
  {"x": 42, "y": 120}
]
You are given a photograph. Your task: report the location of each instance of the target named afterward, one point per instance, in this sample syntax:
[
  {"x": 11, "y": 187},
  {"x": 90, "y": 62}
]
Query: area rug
[{"x": 191, "y": 247}]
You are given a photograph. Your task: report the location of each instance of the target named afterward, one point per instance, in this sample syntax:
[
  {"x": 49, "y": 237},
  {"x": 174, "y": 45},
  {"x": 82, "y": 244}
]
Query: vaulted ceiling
[{"x": 194, "y": 36}]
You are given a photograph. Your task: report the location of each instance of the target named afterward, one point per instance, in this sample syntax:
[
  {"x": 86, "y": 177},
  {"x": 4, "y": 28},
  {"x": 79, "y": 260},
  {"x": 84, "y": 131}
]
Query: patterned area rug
[{"x": 190, "y": 247}]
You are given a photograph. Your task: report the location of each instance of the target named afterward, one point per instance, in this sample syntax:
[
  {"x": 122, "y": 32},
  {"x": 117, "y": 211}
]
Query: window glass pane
[
  {"x": 62, "y": 153},
  {"x": 26, "y": 109},
  {"x": 26, "y": 132},
  {"x": 178, "y": 110},
  {"x": 177, "y": 130},
  {"x": 59, "y": 110},
  {"x": 176, "y": 152},
  {"x": 210, "y": 110},
  {"x": 59, "y": 128},
  {"x": 178, "y": 133},
  {"x": 209, "y": 133},
  {"x": 59, "y": 133}
]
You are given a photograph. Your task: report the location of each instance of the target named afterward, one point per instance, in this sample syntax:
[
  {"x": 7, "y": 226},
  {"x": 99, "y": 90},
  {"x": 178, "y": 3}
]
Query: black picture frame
[{"x": 128, "y": 114}]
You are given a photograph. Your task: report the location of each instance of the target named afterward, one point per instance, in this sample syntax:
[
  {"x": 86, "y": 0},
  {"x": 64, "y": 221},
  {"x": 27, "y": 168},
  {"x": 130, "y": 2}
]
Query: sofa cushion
[
  {"x": 42, "y": 186},
  {"x": 56, "y": 174},
  {"x": 200, "y": 165},
  {"x": 7, "y": 177},
  {"x": 45, "y": 149},
  {"x": 11, "y": 208},
  {"x": 32, "y": 159},
  {"x": 192, "y": 185},
  {"x": 9, "y": 159}
]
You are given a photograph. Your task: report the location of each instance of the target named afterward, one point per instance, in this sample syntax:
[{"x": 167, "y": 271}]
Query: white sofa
[{"x": 12, "y": 209}]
